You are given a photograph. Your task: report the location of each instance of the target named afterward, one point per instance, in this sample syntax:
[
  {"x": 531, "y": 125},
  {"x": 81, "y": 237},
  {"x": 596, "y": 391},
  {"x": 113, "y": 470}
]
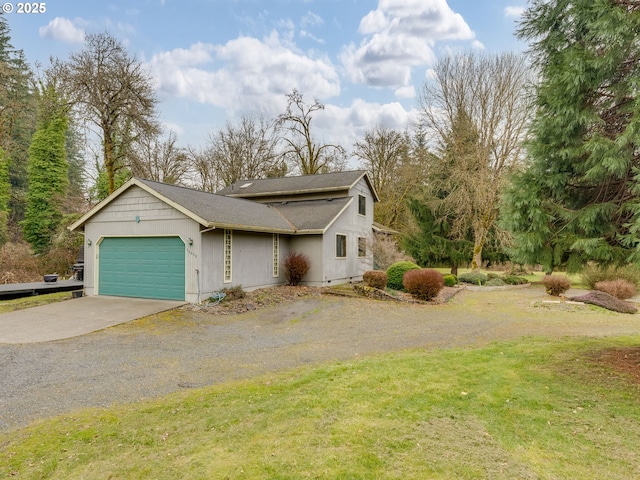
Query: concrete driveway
[{"x": 75, "y": 317}]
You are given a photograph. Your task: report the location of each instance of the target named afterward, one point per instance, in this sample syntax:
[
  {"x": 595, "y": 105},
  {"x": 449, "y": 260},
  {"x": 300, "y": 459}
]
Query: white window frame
[
  {"x": 276, "y": 254},
  {"x": 364, "y": 241},
  {"x": 227, "y": 257},
  {"x": 345, "y": 245}
]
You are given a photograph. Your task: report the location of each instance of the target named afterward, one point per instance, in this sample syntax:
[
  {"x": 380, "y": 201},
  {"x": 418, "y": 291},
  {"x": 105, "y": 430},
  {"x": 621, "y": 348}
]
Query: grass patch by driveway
[
  {"x": 33, "y": 301},
  {"x": 527, "y": 409}
]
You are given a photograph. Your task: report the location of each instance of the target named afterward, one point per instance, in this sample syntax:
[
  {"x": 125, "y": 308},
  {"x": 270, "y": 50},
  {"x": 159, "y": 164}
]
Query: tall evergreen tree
[
  {"x": 579, "y": 199},
  {"x": 47, "y": 170},
  {"x": 5, "y": 196},
  {"x": 17, "y": 117}
]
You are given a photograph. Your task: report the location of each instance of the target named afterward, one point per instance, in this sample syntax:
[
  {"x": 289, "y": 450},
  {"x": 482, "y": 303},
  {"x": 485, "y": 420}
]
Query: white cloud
[
  {"x": 513, "y": 12},
  {"x": 312, "y": 20},
  {"x": 62, "y": 29},
  {"x": 400, "y": 35},
  {"x": 244, "y": 75},
  {"x": 346, "y": 125}
]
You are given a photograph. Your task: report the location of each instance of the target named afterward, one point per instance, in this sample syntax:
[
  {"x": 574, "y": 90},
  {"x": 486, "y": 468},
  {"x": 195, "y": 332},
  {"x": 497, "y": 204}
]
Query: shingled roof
[
  {"x": 218, "y": 211},
  {"x": 268, "y": 187}
]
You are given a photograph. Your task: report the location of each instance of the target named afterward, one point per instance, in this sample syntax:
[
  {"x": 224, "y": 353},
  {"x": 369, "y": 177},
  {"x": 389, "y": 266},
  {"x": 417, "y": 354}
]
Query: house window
[
  {"x": 362, "y": 205},
  {"x": 362, "y": 247},
  {"x": 276, "y": 254},
  {"x": 227, "y": 255},
  {"x": 341, "y": 246}
]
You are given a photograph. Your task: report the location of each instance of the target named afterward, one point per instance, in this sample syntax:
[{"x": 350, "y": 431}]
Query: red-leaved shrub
[
  {"x": 296, "y": 265},
  {"x": 375, "y": 278},
  {"x": 424, "y": 283},
  {"x": 556, "y": 285},
  {"x": 621, "y": 289}
]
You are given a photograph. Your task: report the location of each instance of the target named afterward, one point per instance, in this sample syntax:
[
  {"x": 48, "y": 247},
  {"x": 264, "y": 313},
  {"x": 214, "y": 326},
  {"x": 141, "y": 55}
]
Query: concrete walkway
[{"x": 75, "y": 317}]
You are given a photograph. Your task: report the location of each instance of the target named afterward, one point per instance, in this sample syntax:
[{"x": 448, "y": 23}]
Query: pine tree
[
  {"x": 47, "y": 170},
  {"x": 579, "y": 199},
  {"x": 5, "y": 196},
  {"x": 17, "y": 117}
]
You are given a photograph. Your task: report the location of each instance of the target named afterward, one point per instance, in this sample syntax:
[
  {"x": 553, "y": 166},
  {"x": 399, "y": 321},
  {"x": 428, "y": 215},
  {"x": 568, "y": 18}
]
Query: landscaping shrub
[
  {"x": 474, "y": 278},
  {"x": 450, "y": 280},
  {"x": 556, "y": 285},
  {"x": 375, "y": 278},
  {"x": 396, "y": 271},
  {"x": 621, "y": 289},
  {"x": 604, "y": 300},
  {"x": 594, "y": 274},
  {"x": 424, "y": 283},
  {"x": 495, "y": 282},
  {"x": 234, "y": 293},
  {"x": 296, "y": 265},
  {"x": 386, "y": 251},
  {"x": 514, "y": 280}
]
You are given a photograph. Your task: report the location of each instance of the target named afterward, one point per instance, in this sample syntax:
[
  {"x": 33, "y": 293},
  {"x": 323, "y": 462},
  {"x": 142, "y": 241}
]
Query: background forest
[{"x": 525, "y": 158}]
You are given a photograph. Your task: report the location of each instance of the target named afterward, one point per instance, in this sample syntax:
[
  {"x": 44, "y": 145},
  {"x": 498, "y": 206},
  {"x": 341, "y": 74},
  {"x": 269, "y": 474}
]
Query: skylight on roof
[{"x": 246, "y": 185}]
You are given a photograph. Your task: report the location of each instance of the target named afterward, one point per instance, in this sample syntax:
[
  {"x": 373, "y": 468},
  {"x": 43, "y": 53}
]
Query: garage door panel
[{"x": 149, "y": 267}]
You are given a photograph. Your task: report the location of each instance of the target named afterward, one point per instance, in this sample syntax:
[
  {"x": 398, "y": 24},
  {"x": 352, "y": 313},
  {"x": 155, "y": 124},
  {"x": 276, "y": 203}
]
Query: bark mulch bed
[{"x": 238, "y": 301}]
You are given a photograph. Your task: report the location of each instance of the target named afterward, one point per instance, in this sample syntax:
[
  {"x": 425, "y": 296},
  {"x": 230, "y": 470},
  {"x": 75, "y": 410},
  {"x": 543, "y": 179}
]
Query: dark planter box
[{"x": 52, "y": 278}]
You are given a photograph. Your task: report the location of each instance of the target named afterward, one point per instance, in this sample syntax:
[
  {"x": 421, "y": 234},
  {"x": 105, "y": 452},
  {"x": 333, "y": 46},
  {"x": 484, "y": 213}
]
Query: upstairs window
[{"x": 362, "y": 205}]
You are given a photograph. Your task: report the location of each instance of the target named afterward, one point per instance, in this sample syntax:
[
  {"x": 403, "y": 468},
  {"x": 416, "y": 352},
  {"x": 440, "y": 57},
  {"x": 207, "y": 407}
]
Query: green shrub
[
  {"x": 424, "y": 283},
  {"x": 492, "y": 275},
  {"x": 594, "y": 274},
  {"x": 621, "y": 289},
  {"x": 556, "y": 285},
  {"x": 514, "y": 280},
  {"x": 495, "y": 282},
  {"x": 450, "y": 280},
  {"x": 375, "y": 278},
  {"x": 474, "y": 278},
  {"x": 396, "y": 271}
]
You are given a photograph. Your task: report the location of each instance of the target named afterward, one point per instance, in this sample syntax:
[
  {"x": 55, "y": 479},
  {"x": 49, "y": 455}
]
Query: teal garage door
[{"x": 146, "y": 267}]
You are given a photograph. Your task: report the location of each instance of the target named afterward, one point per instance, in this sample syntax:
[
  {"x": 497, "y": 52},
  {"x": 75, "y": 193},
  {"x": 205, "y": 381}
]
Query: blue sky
[{"x": 215, "y": 60}]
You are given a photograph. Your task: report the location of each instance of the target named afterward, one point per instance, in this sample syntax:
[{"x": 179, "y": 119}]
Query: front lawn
[{"x": 531, "y": 408}]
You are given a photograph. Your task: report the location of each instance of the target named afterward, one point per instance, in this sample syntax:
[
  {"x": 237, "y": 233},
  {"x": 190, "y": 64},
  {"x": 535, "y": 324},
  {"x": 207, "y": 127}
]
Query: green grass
[
  {"x": 28, "y": 302},
  {"x": 528, "y": 409}
]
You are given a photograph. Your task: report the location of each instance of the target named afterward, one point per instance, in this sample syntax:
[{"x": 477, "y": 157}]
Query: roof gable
[
  {"x": 208, "y": 209},
  {"x": 218, "y": 211}
]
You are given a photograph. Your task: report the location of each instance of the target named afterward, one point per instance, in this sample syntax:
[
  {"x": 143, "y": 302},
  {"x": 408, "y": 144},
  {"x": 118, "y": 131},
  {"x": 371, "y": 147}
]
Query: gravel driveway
[{"x": 183, "y": 349}]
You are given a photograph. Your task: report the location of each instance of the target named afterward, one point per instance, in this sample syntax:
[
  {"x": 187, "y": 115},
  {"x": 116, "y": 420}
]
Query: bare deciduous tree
[
  {"x": 158, "y": 159},
  {"x": 476, "y": 108},
  {"x": 113, "y": 91},
  {"x": 385, "y": 154},
  {"x": 239, "y": 151},
  {"x": 302, "y": 150}
]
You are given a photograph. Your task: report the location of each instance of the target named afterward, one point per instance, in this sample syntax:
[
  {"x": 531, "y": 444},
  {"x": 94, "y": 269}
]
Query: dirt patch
[
  {"x": 262, "y": 297},
  {"x": 622, "y": 360}
]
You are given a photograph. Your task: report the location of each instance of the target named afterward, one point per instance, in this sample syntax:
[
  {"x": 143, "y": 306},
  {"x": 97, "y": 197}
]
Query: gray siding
[
  {"x": 353, "y": 225},
  {"x": 136, "y": 213},
  {"x": 251, "y": 257}
]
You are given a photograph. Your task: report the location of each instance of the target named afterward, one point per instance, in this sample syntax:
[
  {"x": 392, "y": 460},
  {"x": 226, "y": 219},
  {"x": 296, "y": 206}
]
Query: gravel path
[{"x": 186, "y": 349}]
